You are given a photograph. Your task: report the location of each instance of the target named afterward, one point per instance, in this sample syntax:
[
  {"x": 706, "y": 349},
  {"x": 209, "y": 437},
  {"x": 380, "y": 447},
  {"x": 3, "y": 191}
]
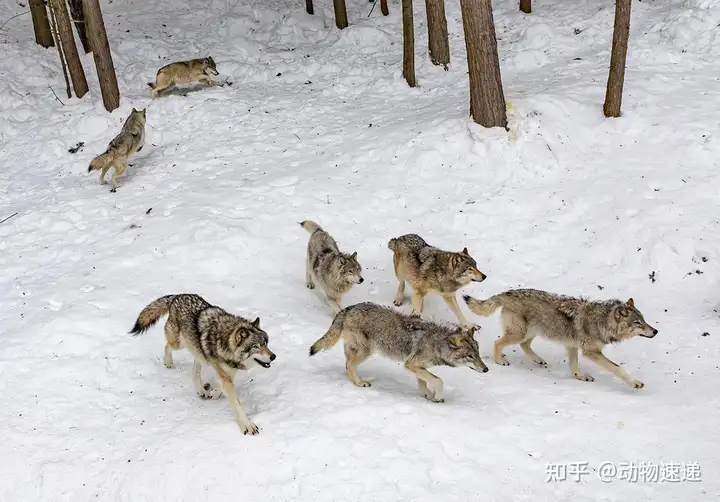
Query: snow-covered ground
[{"x": 319, "y": 124}]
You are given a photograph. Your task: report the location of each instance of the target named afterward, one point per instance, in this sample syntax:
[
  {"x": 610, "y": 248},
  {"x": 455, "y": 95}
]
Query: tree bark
[
  {"x": 487, "y": 101},
  {"x": 53, "y": 25},
  {"x": 408, "y": 43},
  {"x": 309, "y": 7},
  {"x": 78, "y": 17},
  {"x": 618, "y": 58},
  {"x": 341, "y": 20},
  {"x": 525, "y": 6},
  {"x": 64, "y": 28},
  {"x": 384, "y": 8},
  {"x": 41, "y": 25},
  {"x": 438, "y": 44},
  {"x": 101, "y": 54}
]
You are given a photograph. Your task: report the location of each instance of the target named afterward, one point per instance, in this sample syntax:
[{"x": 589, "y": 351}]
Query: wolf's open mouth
[{"x": 262, "y": 363}]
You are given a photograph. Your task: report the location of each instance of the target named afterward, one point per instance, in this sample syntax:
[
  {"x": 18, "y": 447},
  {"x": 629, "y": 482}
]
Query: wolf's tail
[
  {"x": 151, "y": 85},
  {"x": 100, "y": 161},
  {"x": 329, "y": 339},
  {"x": 391, "y": 244},
  {"x": 310, "y": 226},
  {"x": 483, "y": 308},
  {"x": 151, "y": 314}
]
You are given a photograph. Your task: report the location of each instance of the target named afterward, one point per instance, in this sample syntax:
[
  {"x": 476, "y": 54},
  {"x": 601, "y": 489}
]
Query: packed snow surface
[{"x": 319, "y": 124}]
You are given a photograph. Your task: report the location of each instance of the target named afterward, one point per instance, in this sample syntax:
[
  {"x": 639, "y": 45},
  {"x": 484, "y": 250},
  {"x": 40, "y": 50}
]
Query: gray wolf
[
  {"x": 333, "y": 271},
  {"x": 214, "y": 337},
  {"x": 577, "y": 323},
  {"x": 126, "y": 144},
  {"x": 429, "y": 269},
  {"x": 367, "y": 327},
  {"x": 184, "y": 72}
]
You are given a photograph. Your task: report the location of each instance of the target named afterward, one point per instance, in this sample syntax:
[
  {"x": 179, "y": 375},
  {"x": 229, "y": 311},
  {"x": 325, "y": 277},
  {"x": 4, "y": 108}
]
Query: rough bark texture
[
  {"x": 309, "y": 7},
  {"x": 525, "y": 6},
  {"x": 53, "y": 25},
  {"x": 101, "y": 54},
  {"x": 64, "y": 28},
  {"x": 616, "y": 78},
  {"x": 78, "y": 18},
  {"x": 408, "y": 43},
  {"x": 438, "y": 44},
  {"x": 41, "y": 25},
  {"x": 384, "y": 8},
  {"x": 340, "y": 14},
  {"x": 487, "y": 101}
]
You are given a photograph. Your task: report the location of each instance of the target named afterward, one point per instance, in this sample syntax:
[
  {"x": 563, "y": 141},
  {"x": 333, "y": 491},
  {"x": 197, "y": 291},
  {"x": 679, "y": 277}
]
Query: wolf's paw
[
  {"x": 502, "y": 361},
  {"x": 113, "y": 190},
  {"x": 637, "y": 384},
  {"x": 250, "y": 428},
  {"x": 539, "y": 360},
  {"x": 363, "y": 383},
  {"x": 168, "y": 364},
  {"x": 433, "y": 398},
  {"x": 209, "y": 392},
  {"x": 584, "y": 377},
  {"x": 310, "y": 285},
  {"x": 398, "y": 301}
]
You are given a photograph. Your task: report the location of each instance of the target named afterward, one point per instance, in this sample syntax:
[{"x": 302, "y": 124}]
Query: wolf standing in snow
[
  {"x": 429, "y": 269},
  {"x": 184, "y": 72},
  {"x": 577, "y": 323},
  {"x": 367, "y": 327},
  {"x": 214, "y": 337},
  {"x": 334, "y": 271},
  {"x": 130, "y": 141}
]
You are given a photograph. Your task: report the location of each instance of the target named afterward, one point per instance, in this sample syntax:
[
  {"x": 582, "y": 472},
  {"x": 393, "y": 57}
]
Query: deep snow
[{"x": 319, "y": 124}]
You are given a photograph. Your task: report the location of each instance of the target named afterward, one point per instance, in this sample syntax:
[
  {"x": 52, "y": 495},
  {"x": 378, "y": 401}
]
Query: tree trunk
[
  {"x": 309, "y": 7},
  {"x": 340, "y": 14},
  {"x": 487, "y": 101},
  {"x": 101, "y": 53},
  {"x": 64, "y": 28},
  {"x": 78, "y": 17},
  {"x": 384, "y": 8},
  {"x": 616, "y": 78},
  {"x": 53, "y": 25},
  {"x": 525, "y": 6},
  {"x": 439, "y": 46},
  {"x": 408, "y": 43},
  {"x": 41, "y": 25}
]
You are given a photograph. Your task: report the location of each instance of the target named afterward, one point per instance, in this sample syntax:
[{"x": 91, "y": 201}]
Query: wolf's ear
[
  {"x": 134, "y": 110},
  {"x": 630, "y": 303},
  {"x": 471, "y": 331},
  {"x": 465, "y": 251},
  {"x": 456, "y": 340},
  {"x": 256, "y": 322},
  {"x": 621, "y": 311},
  {"x": 353, "y": 256}
]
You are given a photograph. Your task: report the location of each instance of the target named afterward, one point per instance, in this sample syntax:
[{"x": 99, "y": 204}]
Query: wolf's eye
[{"x": 637, "y": 323}]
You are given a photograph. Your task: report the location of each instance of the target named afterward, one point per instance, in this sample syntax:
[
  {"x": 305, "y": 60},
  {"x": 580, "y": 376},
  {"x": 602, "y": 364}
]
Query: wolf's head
[
  {"x": 251, "y": 345},
  {"x": 139, "y": 114},
  {"x": 210, "y": 67},
  {"x": 349, "y": 268},
  {"x": 461, "y": 349},
  {"x": 463, "y": 268},
  {"x": 629, "y": 322}
]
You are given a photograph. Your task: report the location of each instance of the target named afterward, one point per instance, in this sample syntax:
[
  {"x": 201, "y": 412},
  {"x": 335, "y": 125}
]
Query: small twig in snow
[
  {"x": 56, "y": 96},
  {"x": 3, "y": 221},
  {"x": 16, "y": 15},
  {"x": 373, "y": 7}
]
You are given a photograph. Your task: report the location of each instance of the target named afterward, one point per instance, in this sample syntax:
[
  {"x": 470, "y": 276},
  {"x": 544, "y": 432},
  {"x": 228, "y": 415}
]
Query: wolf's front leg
[
  {"x": 228, "y": 388},
  {"x": 599, "y": 358},
  {"x": 204, "y": 391},
  {"x": 334, "y": 304},
  {"x": 432, "y": 382}
]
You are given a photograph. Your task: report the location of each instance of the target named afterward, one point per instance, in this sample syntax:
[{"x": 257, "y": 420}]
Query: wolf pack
[{"x": 229, "y": 343}]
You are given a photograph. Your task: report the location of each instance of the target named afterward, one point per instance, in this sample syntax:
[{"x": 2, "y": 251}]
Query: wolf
[
  {"x": 368, "y": 327},
  {"x": 334, "y": 271},
  {"x": 215, "y": 338},
  {"x": 429, "y": 269},
  {"x": 577, "y": 323},
  {"x": 126, "y": 144},
  {"x": 184, "y": 72}
]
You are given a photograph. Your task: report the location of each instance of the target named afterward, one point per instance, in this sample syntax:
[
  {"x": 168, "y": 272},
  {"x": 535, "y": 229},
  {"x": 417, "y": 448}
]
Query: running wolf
[
  {"x": 129, "y": 142},
  {"x": 577, "y": 323},
  {"x": 334, "y": 271},
  {"x": 429, "y": 269},
  {"x": 367, "y": 327},
  {"x": 184, "y": 72},
  {"x": 215, "y": 338}
]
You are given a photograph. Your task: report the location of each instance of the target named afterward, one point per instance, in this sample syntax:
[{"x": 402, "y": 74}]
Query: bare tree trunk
[
  {"x": 309, "y": 7},
  {"x": 340, "y": 14},
  {"x": 525, "y": 6},
  {"x": 64, "y": 28},
  {"x": 78, "y": 17},
  {"x": 384, "y": 8},
  {"x": 408, "y": 43},
  {"x": 439, "y": 46},
  {"x": 101, "y": 53},
  {"x": 487, "y": 101},
  {"x": 57, "y": 44},
  {"x": 616, "y": 78},
  {"x": 41, "y": 25}
]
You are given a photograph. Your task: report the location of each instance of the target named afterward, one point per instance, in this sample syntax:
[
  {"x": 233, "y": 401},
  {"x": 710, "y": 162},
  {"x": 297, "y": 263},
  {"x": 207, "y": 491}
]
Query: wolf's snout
[
  {"x": 361, "y": 280},
  {"x": 485, "y": 369},
  {"x": 655, "y": 332},
  {"x": 272, "y": 357}
]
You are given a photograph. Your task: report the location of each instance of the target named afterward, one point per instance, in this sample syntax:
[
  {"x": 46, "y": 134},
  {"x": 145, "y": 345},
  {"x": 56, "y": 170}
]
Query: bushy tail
[
  {"x": 391, "y": 244},
  {"x": 329, "y": 339},
  {"x": 310, "y": 226},
  {"x": 483, "y": 308},
  {"x": 151, "y": 314},
  {"x": 100, "y": 161},
  {"x": 151, "y": 85}
]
